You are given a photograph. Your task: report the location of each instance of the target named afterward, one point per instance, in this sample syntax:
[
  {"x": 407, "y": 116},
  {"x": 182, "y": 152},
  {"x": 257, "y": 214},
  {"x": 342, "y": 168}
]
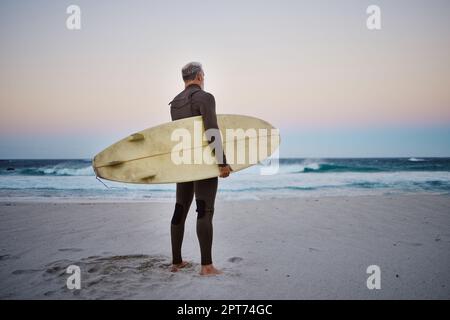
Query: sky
[{"x": 311, "y": 68}]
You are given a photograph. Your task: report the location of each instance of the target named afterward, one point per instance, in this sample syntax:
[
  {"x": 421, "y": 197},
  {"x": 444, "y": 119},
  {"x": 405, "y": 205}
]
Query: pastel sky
[{"x": 311, "y": 68}]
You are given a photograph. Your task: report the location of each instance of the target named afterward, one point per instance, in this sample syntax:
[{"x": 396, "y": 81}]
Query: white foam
[
  {"x": 61, "y": 171},
  {"x": 416, "y": 159}
]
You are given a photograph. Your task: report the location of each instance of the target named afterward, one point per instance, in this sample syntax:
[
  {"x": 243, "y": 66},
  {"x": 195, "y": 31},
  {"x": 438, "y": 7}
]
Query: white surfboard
[{"x": 160, "y": 155}]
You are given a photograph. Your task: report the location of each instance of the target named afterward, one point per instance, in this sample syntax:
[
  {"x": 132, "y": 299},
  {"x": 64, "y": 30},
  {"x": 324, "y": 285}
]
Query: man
[{"x": 193, "y": 101}]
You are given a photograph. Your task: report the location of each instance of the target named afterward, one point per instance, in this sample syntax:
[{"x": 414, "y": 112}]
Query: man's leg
[
  {"x": 185, "y": 194},
  {"x": 205, "y": 196}
]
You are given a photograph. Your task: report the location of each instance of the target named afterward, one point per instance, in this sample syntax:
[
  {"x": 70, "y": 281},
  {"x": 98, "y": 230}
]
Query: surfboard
[{"x": 178, "y": 151}]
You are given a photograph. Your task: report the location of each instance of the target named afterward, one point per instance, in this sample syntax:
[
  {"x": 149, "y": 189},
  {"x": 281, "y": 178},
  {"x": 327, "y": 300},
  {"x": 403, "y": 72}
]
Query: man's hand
[{"x": 225, "y": 171}]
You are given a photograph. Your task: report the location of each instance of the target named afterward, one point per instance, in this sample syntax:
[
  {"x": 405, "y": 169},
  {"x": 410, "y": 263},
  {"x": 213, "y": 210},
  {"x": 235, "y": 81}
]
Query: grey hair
[{"x": 190, "y": 70}]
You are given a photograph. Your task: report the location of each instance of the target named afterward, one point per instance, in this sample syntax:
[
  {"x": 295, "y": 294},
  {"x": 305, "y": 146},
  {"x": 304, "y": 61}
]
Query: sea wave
[
  {"x": 82, "y": 167},
  {"x": 416, "y": 159},
  {"x": 364, "y": 165},
  {"x": 233, "y": 187},
  {"x": 331, "y": 167},
  {"x": 57, "y": 171}
]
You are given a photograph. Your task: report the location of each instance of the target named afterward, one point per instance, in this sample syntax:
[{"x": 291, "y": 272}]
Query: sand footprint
[
  {"x": 235, "y": 259},
  {"x": 70, "y": 250},
  {"x": 25, "y": 271}
]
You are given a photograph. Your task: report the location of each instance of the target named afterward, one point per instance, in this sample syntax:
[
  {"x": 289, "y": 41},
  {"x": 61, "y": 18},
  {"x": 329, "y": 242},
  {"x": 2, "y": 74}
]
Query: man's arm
[{"x": 208, "y": 112}]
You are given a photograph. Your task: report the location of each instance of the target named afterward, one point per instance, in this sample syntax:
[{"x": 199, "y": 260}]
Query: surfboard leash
[{"x": 96, "y": 177}]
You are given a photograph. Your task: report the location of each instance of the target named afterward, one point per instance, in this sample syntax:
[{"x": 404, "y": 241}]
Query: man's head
[{"x": 193, "y": 74}]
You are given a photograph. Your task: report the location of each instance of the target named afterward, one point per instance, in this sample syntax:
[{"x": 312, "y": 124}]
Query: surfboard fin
[
  {"x": 114, "y": 163},
  {"x": 136, "y": 137},
  {"x": 148, "y": 175}
]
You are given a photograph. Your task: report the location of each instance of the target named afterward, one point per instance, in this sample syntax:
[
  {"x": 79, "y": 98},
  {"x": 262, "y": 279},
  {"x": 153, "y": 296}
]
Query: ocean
[{"x": 54, "y": 179}]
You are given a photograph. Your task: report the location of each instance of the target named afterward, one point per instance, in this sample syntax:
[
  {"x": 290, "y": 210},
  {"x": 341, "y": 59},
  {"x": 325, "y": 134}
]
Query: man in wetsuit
[{"x": 193, "y": 101}]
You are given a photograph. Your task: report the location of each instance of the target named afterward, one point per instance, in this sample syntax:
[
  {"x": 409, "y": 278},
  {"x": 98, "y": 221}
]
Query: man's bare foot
[
  {"x": 209, "y": 270},
  {"x": 176, "y": 267}
]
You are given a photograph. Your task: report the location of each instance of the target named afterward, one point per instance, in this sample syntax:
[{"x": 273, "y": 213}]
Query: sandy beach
[{"x": 304, "y": 248}]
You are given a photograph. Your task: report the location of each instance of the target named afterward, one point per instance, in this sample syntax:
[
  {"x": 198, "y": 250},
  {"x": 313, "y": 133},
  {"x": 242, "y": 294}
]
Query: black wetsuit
[{"x": 193, "y": 101}]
